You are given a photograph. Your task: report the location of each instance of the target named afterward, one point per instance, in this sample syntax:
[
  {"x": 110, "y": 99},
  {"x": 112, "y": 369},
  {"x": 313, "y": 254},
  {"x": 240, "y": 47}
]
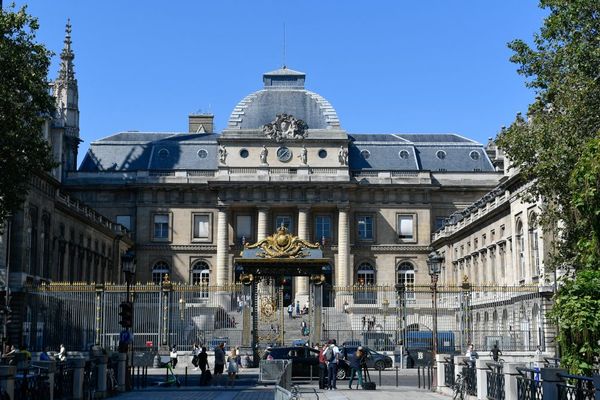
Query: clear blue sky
[{"x": 386, "y": 66}]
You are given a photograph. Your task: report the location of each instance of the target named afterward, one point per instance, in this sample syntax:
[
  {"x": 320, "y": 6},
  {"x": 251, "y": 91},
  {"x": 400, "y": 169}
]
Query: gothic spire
[{"x": 67, "y": 72}]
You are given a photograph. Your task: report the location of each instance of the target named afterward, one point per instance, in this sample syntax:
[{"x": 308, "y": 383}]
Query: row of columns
[{"x": 342, "y": 275}]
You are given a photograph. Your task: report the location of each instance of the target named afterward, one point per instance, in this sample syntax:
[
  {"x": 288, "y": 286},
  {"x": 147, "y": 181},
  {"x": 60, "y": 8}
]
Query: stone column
[
  {"x": 263, "y": 216},
  {"x": 440, "y": 360},
  {"x": 102, "y": 367},
  {"x": 301, "y": 282},
  {"x": 342, "y": 272},
  {"x": 222, "y": 247},
  {"x": 49, "y": 366},
  {"x": 481, "y": 372},
  {"x": 7, "y": 379},
  {"x": 122, "y": 372},
  {"x": 78, "y": 369},
  {"x": 510, "y": 380}
]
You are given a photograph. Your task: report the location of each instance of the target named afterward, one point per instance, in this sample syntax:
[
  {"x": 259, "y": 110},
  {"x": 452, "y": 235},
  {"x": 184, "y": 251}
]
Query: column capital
[
  {"x": 222, "y": 207},
  {"x": 344, "y": 207},
  {"x": 304, "y": 208},
  {"x": 265, "y": 209}
]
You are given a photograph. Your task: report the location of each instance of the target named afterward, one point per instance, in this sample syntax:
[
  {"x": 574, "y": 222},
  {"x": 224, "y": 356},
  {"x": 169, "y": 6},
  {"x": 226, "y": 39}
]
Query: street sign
[
  {"x": 149, "y": 343},
  {"x": 126, "y": 337}
]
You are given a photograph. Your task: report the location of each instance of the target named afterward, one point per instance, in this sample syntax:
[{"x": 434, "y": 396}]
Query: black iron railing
[
  {"x": 90, "y": 380},
  {"x": 32, "y": 384},
  {"x": 448, "y": 372},
  {"x": 576, "y": 387},
  {"x": 495, "y": 382},
  {"x": 63, "y": 381},
  {"x": 529, "y": 384},
  {"x": 470, "y": 375}
]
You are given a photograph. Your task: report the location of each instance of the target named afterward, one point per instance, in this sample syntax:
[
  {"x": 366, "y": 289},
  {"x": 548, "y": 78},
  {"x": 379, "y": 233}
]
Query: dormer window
[
  {"x": 366, "y": 154},
  {"x": 474, "y": 155},
  {"x": 441, "y": 154}
]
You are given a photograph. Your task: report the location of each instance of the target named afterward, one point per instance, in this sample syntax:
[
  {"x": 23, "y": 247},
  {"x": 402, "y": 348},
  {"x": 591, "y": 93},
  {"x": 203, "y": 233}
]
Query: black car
[
  {"x": 374, "y": 359},
  {"x": 303, "y": 360}
]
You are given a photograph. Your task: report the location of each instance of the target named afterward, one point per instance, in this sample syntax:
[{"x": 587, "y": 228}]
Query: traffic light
[{"x": 126, "y": 314}]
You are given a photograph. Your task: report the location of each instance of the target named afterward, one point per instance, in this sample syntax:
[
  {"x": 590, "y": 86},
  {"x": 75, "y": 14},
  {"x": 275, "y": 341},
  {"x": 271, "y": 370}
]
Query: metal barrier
[
  {"x": 424, "y": 377},
  {"x": 32, "y": 384},
  {"x": 495, "y": 382},
  {"x": 529, "y": 384},
  {"x": 576, "y": 387},
  {"x": 63, "y": 381},
  {"x": 271, "y": 371},
  {"x": 90, "y": 379},
  {"x": 449, "y": 371},
  {"x": 469, "y": 372}
]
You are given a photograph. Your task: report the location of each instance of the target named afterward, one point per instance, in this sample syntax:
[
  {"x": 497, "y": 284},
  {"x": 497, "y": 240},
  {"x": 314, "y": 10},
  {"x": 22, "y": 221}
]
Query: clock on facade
[{"x": 284, "y": 154}]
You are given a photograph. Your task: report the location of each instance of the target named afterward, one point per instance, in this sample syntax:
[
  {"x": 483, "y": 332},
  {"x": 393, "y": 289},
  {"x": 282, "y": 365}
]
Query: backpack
[{"x": 329, "y": 354}]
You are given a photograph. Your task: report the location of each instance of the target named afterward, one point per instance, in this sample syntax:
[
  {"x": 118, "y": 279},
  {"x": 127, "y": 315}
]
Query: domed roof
[{"x": 283, "y": 93}]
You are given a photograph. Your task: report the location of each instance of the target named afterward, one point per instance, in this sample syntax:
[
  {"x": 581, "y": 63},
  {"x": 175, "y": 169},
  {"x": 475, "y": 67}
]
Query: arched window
[
  {"x": 520, "y": 249},
  {"x": 201, "y": 276},
  {"x": 365, "y": 278},
  {"x": 159, "y": 271},
  {"x": 405, "y": 273},
  {"x": 534, "y": 252}
]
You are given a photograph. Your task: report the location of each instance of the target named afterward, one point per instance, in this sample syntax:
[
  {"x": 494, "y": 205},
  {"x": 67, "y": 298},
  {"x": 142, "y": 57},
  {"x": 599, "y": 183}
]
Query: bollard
[
  {"x": 396, "y": 376},
  {"x": 428, "y": 378},
  {"x": 379, "y": 378},
  {"x": 121, "y": 372},
  {"x": 7, "y": 379},
  {"x": 185, "y": 380},
  {"x": 419, "y": 376}
]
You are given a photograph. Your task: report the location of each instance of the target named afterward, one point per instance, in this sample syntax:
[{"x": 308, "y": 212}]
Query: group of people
[
  {"x": 368, "y": 324},
  {"x": 329, "y": 359},
  {"x": 299, "y": 311},
  {"x": 229, "y": 363},
  {"x": 11, "y": 351}
]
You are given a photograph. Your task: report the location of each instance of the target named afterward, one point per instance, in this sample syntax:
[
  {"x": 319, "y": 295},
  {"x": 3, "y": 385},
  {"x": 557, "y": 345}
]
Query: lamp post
[
  {"x": 128, "y": 266},
  {"x": 434, "y": 264},
  {"x": 181, "y": 308},
  {"x": 400, "y": 289},
  {"x": 385, "y": 306}
]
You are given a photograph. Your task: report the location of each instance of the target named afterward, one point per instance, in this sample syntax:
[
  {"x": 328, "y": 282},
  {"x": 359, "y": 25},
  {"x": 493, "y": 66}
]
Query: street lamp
[
  {"x": 181, "y": 308},
  {"x": 385, "y": 306},
  {"x": 400, "y": 289},
  {"x": 128, "y": 266},
  {"x": 434, "y": 264}
]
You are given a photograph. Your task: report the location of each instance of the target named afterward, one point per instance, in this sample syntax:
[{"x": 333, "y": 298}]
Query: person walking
[
  {"x": 297, "y": 308},
  {"x": 62, "y": 353},
  {"x": 173, "y": 356},
  {"x": 332, "y": 357},
  {"x": 195, "y": 353},
  {"x": 219, "y": 363},
  {"x": 232, "y": 366},
  {"x": 496, "y": 352},
  {"x": 355, "y": 361},
  {"x": 290, "y": 311}
]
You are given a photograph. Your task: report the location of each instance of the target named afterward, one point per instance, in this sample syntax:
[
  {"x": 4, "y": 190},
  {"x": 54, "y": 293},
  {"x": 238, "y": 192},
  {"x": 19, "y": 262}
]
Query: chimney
[{"x": 201, "y": 123}]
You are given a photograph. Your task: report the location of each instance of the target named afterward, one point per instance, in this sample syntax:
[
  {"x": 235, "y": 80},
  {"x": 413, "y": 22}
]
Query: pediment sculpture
[
  {"x": 282, "y": 244},
  {"x": 285, "y": 127}
]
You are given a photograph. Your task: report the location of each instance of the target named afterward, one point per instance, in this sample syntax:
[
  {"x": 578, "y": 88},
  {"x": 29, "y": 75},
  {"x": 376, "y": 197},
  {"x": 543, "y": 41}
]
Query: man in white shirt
[{"x": 332, "y": 355}]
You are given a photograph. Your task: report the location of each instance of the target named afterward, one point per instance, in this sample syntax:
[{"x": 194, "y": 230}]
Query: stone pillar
[
  {"x": 301, "y": 282},
  {"x": 78, "y": 369},
  {"x": 49, "y": 366},
  {"x": 263, "y": 216},
  {"x": 510, "y": 380},
  {"x": 440, "y": 360},
  {"x": 550, "y": 378},
  {"x": 102, "y": 366},
  {"x": 222, "y": 247},
  {"x": 481, "y": 370},
  {"x": 122, "y": 372},
  {"x": 342, "y": 268},
  {"x": 7, "y": 379}
]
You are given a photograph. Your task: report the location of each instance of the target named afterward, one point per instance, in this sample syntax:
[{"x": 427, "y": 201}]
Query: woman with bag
[{"x": 232, "y": 366}]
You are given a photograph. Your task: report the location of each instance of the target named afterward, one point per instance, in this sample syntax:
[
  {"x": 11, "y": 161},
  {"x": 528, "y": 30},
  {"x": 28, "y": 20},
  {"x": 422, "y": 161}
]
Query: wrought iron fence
[
  {"x": 90, "y": 379},
  {"x": 80, "y": 315},
  {"x": 495, "y": 382},
  {"x": 63, "y": 381},
  {"x": 576, "y": 387},
  {"x": 31, "y": 385},
  {"x": 449, "y": 371},
  {"x": 529, "y": 384},
  {"x": 469, "y": 372}
]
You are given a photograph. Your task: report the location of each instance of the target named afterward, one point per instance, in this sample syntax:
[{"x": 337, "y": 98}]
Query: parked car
[
  {"x": 303, "y": 360},
  {"x": 375, "y": 360}
]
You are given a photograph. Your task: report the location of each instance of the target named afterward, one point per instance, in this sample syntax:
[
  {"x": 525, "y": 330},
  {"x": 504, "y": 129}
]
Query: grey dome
[{"x": 283, "y": 93}]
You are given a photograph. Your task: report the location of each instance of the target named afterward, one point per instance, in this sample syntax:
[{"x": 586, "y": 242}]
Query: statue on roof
[
  {"x": 343, "y": 156},
  {"x": 222, "y": 154},
  {"x": 285, "y": 127}
]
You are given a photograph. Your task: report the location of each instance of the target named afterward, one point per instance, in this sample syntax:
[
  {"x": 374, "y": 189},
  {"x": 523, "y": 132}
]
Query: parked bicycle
[{"x": 460, "y": 387}]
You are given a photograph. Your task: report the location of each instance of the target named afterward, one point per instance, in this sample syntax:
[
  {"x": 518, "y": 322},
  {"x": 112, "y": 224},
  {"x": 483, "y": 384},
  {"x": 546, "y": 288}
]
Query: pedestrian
[
  {"x": 290, "y": 311},
  {"x": 355, "y": 361},
  {"x": 195, "y": 353},
  {"x": 471, "y": 354},
  {"x": 345, "y": 307},
  {"x": 62, "y": 353},
  {"x": 322, "y": 367},
  {"x": 44, "y": 356},
  {"x": 232, "y": 366},
  {"x": 496, "y": 352},
  {"x": 297, "y": 307},
  {"x": 173, "y": 356},
  {"x": 364, "y": 323},
  {"x": 302, "y": 327},
  {"x": 203, "y": 360},
  {"x": 219, "y": 362},
  {"x": 332, "y": 354}
]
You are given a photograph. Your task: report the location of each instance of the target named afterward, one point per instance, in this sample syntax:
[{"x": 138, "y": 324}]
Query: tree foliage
[
  {"x": 24, "y": 104},
  {"x": 557, "y": 147}
]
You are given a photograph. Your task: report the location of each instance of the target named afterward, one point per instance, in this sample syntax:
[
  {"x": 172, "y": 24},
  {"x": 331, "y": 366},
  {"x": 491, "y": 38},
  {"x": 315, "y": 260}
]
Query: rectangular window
[
  {"x": 161, "y": 226},
  {"x": 322, "y": 228},
  {"x": 124, "y": 220},
  {"x": 243, "y": 228},
  {"x": 365, "y": 227},
  {"x": 405, "y": 227},
  {"x": 201, "y": 226},
  {"x": 283, "y": 220}
]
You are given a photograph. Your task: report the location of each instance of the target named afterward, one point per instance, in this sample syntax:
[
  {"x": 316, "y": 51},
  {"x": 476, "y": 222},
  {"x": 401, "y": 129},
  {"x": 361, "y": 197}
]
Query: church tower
[{"x": 65, "y": 125}]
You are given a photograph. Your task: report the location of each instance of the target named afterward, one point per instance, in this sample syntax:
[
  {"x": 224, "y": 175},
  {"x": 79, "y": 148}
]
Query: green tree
[
  {"x": 24, "y": 105},
  {"x": 556, "y": 147}
]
